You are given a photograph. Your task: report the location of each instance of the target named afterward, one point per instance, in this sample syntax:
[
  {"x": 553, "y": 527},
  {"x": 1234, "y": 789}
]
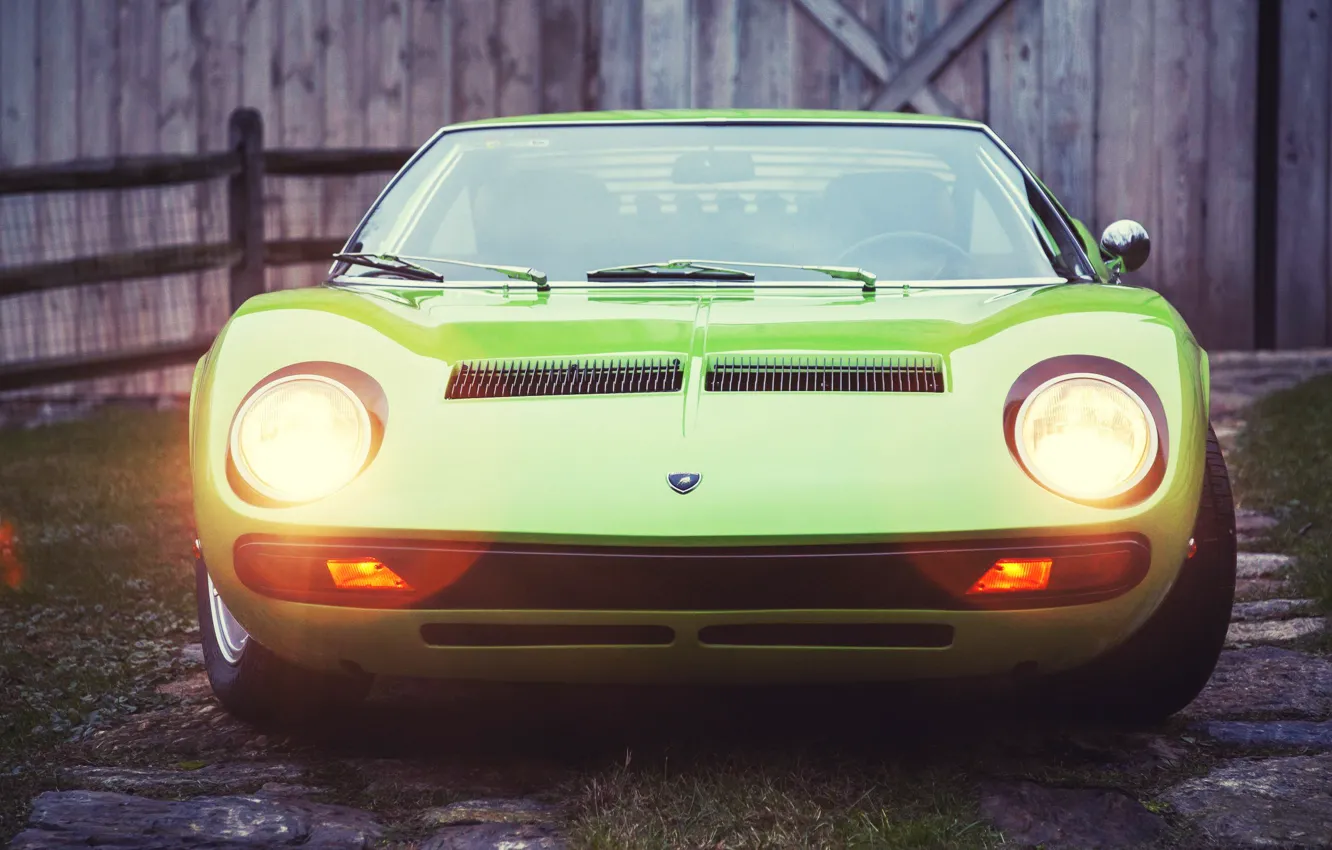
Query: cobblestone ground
[{"x": 191, "y": 776}]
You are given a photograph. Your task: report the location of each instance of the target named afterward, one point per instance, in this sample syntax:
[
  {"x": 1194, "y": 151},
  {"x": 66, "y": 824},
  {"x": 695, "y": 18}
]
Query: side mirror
[{"x": 1126, "y": 240}]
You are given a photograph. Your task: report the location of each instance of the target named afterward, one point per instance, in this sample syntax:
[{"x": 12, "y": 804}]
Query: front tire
[
  {"x": 251, "y": 682},
  {"x": 1165, "y": 664}
]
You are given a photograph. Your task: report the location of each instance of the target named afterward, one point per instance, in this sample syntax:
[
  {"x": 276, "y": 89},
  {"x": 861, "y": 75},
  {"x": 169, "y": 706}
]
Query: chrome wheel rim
[{"x": 230, "y": 635}]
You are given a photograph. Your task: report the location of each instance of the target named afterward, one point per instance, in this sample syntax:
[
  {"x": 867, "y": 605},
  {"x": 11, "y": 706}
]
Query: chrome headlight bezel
[
  {"x": 255, "y": 482},
  {"x": 1046, "y": 374}
]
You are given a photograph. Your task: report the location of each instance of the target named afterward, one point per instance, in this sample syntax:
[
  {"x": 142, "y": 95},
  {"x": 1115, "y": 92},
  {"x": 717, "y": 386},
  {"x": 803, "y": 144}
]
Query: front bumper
[
  {"x": 844, "y": 631},
  {"x": 457, "y": 576}
]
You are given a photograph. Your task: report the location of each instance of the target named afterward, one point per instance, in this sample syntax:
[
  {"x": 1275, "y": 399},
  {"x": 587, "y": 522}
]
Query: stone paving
[
  {"x": 1264, "y": 802},
  {"x": 1267, "y": 712},
  {"x": 1263, "y": 697}
]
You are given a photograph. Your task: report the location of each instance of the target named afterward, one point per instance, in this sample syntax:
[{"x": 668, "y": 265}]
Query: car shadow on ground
[{"x": 413, "y": 718}]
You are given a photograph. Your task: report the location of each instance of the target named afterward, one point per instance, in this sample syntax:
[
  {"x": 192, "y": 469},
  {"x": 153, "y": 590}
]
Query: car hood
[
  {"x": 775, "y": 465},
  {"x": 455, "y": 324}
]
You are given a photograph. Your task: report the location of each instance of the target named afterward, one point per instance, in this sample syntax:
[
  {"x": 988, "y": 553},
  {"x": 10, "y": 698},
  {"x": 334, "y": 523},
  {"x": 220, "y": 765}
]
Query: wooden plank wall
[
  {"x": 19, "y": 123},
  {"x": 1304, "y": 224},
  {"x": 1127, "y": 108}
]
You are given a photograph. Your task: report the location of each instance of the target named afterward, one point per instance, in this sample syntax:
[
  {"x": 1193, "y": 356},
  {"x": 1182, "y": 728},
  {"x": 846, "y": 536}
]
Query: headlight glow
[
  {"x": 300, "y": 438},
  {"x": 1086, "y": 436}
]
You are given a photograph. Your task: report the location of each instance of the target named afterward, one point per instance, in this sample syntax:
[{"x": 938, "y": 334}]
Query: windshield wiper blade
[
  {"x": 411, "y": 266},
  {"x": 670, "y": 270},
  {"x": 526, "y": 273},
  {"x": 390, "y": 263},
  {"x": 866, "y": 279},
  {"x": 720, "y": 270}
]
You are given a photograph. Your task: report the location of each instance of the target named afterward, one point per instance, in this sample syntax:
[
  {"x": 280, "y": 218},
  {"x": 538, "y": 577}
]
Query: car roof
[{"x": 789, "y": 116}]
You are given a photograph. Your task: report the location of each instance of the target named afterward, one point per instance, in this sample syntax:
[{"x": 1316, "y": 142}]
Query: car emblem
[{"x": 683, "y": 482}]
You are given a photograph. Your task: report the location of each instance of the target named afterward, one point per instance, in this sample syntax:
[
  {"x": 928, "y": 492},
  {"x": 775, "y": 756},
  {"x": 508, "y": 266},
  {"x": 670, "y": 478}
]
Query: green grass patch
[
  {"x": 1283, "y": 467},
  {"x": 778, "y": 800},
  {"x": 96, "y": 588}
]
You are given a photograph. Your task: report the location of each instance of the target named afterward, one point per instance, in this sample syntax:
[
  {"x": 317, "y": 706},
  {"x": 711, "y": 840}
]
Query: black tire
[
  {"x": 263, "y": 689},
  {"x": 1167, "y": 662}
]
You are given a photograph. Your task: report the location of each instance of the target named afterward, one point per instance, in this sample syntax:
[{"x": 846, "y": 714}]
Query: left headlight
[
  {"x": 300, "y": 438},
  {"x": 1086, "y": 437}
]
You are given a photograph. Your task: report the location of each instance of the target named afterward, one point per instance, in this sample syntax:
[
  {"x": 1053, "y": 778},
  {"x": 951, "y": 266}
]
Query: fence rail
[
  {"x": 129, "y": 172},
  {"x": 245, "y": 255},
  {"x": 38, "y": 373},
  {"x": 329, "y": 162},
  {"x": 172, "y": 259},
  {"x": 138, "y": 172}
]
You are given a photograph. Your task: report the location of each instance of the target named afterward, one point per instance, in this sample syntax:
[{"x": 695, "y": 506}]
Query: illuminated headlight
[
  {"x": 300, "y": 438},
  {"x": 1087, "y": 437}
]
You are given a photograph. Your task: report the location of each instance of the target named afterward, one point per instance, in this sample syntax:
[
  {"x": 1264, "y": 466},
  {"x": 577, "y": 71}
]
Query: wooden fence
[
  {"x": 1160, "y": 110},
  {"x": 242, "y": 252}
]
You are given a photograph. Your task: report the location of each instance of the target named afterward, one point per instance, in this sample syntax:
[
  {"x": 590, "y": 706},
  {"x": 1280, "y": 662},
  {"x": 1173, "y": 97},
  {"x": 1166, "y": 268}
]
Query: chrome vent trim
[
  {"x": 565, "y": 376},
  {"x": 895, "y": 373}
]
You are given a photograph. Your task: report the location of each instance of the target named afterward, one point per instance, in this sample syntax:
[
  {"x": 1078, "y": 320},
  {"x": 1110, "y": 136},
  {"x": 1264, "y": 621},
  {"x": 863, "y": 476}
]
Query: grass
[
  {"x": 1283, "y": 467},
  {"x": 95, "y": 583},
  {"x": 779, "y": 801}
]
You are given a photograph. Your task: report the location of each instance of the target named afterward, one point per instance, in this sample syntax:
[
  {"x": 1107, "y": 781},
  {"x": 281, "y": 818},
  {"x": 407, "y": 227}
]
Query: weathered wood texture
[
  {"x": 96, "y": 320},
  {"x": 1225, "y": 309},
  {"x": 1127, "y": 108},
  {"x": 18, "y": 146},
  {"x": 1303, "y": 219}
]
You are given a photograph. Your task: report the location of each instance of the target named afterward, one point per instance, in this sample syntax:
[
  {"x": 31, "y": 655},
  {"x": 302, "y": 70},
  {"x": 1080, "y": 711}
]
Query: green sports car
[{"x": 713, "y": 396}]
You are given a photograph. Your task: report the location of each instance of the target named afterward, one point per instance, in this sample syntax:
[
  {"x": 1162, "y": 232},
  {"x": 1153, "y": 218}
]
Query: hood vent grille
[
  {"x": 566, "y": 376},
  {"x": 898, "y": 373}
]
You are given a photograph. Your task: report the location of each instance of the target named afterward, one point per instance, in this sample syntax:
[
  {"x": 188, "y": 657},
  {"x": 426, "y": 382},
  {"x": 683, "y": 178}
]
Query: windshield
[{"x": 904, "y": 202}]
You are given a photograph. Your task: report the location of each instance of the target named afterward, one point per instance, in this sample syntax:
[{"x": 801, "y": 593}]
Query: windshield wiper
[
  {"x": 409, "y": 267},
  {"x": 866, "y": 279},
  {"x": 391, "y": 263},
  {"x": 718, "y": 270},
  {"x": 669, "y": 270}
]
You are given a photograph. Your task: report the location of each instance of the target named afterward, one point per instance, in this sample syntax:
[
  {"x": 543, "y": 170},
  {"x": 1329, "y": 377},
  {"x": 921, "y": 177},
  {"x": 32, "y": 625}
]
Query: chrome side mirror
[{"x": 1127, "y": 241}]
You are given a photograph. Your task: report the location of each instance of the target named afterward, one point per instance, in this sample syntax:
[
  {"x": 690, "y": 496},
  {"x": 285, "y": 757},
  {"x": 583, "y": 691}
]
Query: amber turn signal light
[
  {"x": 1010, "y": 575},
  {"x": 364, "y": 574}
]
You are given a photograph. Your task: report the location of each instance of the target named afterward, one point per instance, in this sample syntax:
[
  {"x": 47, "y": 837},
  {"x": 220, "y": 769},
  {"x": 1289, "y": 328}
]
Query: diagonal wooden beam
[
  {"x": 926, "y": 63},
  {"x": 881, "y": 61}
]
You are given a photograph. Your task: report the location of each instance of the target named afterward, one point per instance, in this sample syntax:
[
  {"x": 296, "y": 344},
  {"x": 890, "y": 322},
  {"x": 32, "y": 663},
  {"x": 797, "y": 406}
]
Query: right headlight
[
  {"x": 300, "y": 438},
  {"x": 1086, "y": 437}
]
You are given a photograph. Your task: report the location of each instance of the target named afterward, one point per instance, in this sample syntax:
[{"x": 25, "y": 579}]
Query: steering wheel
[{"x": 951, "y": 252}]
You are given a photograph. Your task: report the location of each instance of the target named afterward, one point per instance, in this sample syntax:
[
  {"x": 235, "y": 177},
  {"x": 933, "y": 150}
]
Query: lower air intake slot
[
  {"x": 897, "y": 373},
  {"x": 500, "y": 634},
  {"x": 878, "y": 635},
  {"x": 565, "y": 376}
]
